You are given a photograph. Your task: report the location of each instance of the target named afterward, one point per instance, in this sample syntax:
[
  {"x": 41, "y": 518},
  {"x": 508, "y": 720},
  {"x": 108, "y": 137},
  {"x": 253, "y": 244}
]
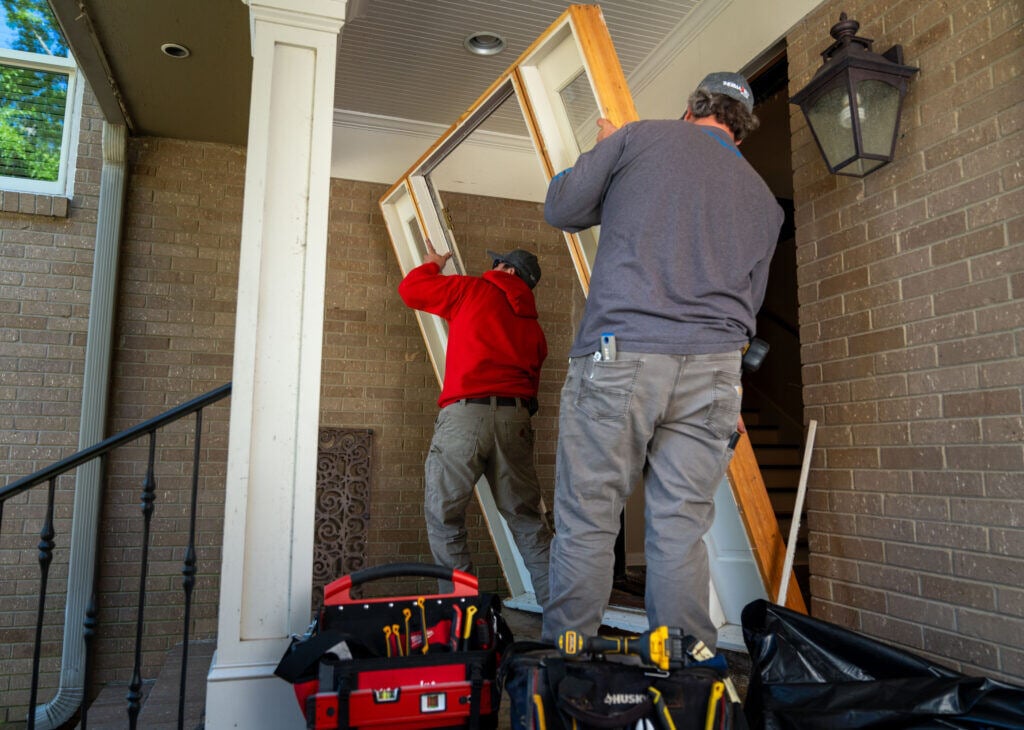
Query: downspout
[{"x": 95, "y": 387}]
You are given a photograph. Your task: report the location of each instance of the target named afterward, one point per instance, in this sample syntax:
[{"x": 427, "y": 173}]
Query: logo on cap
[{"x": 734, "y": 85}]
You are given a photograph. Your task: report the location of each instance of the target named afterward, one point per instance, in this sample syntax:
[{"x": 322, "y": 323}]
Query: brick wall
[
  {"x": 911, "y": 327},
  {"x": 173, "y": 341},
  {"x": 46, "y": 253},
  {"x": 45, "y": 280}
]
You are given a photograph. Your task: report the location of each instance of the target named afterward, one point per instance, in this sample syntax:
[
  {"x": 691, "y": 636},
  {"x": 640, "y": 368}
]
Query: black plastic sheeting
[{"x": 808, "y": 674}]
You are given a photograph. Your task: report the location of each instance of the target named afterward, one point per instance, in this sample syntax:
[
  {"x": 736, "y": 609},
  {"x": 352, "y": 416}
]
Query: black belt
[{"x": 530, "y": 404}]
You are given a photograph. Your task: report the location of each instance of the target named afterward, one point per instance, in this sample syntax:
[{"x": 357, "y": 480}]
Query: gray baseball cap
[
  {"x": 524, "y": 262},
  {"x": 732, "y": 85}
]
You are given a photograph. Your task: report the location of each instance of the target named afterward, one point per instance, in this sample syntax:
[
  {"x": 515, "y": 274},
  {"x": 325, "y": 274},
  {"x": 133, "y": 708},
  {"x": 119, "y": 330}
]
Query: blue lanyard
[{"x": 722, "y": 142}]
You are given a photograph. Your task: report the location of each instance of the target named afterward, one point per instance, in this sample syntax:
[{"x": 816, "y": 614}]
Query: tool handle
[
  {"x": 339, "y": 591},
  {"x": 422, "y": 603},
  {"x": 573, "y": 643},
  {"x": 717, "y": 689},
  {"x": 662, "y": 717},
  {"x": 470, "y": 613},
  {"x": 456, "y": 632}
]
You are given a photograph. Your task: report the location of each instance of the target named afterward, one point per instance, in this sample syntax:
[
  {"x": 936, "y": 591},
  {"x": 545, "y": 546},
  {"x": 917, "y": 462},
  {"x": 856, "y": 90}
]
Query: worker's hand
[
  {"x": 433, "y": 257},
  {"x": 605, "y": 129},
  {"x": 740, "y": 427}
]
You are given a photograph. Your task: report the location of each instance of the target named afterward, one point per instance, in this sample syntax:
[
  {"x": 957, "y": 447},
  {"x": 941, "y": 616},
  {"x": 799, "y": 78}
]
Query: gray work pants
[
  {"x": 471, "y": 440},
  {"x": 666, "y": 419}
]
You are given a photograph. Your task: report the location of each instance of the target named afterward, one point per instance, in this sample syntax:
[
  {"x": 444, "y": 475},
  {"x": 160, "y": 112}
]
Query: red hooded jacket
[{"x": 495, "y": 343}]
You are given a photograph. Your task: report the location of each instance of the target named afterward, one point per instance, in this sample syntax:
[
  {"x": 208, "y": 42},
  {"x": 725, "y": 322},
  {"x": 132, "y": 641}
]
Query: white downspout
[{"x": 95, "y": 386}]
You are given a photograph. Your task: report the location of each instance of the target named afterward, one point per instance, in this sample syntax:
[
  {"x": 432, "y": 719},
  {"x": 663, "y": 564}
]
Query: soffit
[{"x": 398, "y": 59}]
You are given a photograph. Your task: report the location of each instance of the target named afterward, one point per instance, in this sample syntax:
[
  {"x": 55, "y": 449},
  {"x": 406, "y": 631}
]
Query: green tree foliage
[{"x": 32, "y": 102}]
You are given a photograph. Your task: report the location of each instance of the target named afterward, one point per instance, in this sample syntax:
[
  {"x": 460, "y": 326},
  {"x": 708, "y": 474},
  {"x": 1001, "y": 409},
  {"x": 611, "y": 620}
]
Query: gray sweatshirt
[{"x": 688, "y": 229}]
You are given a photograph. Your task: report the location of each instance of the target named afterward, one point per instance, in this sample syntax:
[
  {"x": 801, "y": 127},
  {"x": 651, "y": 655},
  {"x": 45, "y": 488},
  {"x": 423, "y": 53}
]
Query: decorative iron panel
[{"x": 342, "y": 505}]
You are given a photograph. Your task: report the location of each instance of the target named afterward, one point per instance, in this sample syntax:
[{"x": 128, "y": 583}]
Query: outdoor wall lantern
[{"x": 853, "y": 102}]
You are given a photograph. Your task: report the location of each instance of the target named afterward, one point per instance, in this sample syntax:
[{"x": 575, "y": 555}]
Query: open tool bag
[
  {"x": 413, "y": 661},
  {"x": 678, "y": 686}
]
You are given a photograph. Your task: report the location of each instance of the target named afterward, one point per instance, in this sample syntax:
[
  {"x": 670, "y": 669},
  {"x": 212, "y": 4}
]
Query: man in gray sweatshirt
[{"x": 688, "y": 229}]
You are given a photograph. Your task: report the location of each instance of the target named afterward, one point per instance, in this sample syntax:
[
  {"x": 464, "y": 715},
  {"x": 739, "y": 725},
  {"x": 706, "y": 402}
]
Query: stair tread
[
  {"x": 161, "y": 708},
  {"x": 109, "y": 711}
]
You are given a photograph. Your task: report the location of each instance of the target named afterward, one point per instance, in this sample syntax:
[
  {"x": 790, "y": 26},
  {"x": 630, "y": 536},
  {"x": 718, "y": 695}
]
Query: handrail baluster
[
  {"x": 46, "y": 545},
  {"x": 188, "y": 570},
  {"x": 88, "y": 634},
  {"x": 148, "y": 499}
]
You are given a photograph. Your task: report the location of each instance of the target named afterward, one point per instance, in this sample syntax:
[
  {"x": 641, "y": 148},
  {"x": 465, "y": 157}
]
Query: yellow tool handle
[
  {"x": 421, "y": 602},
  {"x": 538, "y": 710},
  {"x": 717, "y": 688},
  {"x": 661, "y": 713},
  {"x": 387, "y": 640},
  {"x": 407, "y": 613},
  {"x": 468, "y": 628}
]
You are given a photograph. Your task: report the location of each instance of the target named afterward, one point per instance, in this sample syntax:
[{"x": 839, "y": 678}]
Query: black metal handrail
[
  {"x": 109, "y": 444},
  {"x": 47, "y": 534}
]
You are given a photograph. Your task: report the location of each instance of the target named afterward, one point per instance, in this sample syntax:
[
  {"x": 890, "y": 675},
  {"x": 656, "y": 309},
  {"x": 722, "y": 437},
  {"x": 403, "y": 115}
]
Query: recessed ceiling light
[
  {"x": 484, "y": 44},
  {"x": 175, "y": 50}
]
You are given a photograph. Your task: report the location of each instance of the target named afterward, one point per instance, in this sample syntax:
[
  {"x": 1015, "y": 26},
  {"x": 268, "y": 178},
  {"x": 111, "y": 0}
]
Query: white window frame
[{"x": 65, "y": 183}]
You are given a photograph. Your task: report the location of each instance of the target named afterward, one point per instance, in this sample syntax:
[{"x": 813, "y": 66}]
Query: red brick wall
[{"x": 911, "y": 327}]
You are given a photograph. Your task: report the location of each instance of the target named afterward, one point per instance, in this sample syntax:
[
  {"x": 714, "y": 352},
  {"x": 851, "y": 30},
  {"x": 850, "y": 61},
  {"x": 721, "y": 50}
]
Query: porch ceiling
[{"x": 396, "y": 58}]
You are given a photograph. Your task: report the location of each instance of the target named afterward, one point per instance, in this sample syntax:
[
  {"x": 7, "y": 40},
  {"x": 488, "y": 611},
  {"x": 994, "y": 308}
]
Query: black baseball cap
[
  {"x": 524, "y": 262},
  {"x": 733, "y": 85}
]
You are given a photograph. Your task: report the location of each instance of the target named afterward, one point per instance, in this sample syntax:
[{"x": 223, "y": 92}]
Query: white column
[{"x": 266, "y": 573}]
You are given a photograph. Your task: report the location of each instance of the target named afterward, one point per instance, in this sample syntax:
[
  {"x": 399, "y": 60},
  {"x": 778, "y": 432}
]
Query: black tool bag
[
  {"x": 550, "y": 692},
  {"x": 809, "y": 674},
  {"x": 415, "y": 661}
]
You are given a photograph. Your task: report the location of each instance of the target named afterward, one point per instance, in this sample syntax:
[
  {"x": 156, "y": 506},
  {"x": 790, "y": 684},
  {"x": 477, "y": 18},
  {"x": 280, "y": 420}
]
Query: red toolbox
[{"x": 413, "y": 661}]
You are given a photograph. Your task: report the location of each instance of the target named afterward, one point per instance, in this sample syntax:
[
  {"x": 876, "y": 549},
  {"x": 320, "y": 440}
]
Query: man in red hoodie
[{"x": 492, "y": 370}]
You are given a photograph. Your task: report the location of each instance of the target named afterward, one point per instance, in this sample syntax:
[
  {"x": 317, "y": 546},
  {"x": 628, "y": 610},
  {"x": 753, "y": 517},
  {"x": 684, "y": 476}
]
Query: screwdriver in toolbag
[{"x": 662, "y": 647}]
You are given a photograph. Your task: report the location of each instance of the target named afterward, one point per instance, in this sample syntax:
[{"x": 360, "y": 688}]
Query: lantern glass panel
[
  {"x": 880, "y": 106},
  {"x": 861, "y": 167},
  {"x": 826, "y": 117}
]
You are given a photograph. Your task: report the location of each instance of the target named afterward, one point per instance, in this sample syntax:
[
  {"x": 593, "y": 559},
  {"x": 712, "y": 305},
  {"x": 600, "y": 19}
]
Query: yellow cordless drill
[
  {"x": 661, "y": 647},
  {"x": 664, "y": 648}
]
